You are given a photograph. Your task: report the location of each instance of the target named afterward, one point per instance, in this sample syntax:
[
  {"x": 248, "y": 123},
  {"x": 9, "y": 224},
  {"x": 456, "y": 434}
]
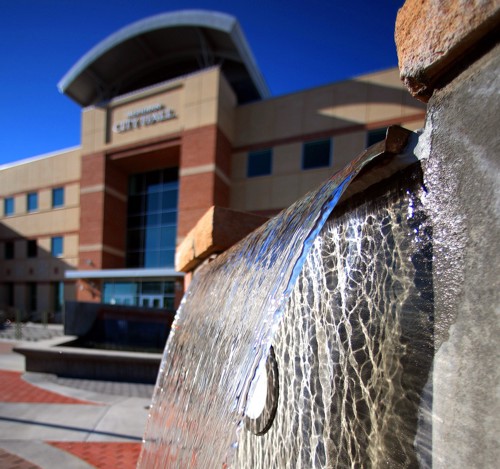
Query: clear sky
[{"x": 297, "y": 45}]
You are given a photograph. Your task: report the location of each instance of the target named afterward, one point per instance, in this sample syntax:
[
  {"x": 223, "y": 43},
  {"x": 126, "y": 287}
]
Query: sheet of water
[{"x": 223, "y": 330}]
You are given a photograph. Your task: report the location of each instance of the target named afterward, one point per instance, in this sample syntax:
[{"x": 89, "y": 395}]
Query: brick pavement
[
  {"x": 12, "y": 461},
  {"x": 103, "y": 455},
  {"x": 15, "y": 389},
  {"x": 115, "y": 452}
]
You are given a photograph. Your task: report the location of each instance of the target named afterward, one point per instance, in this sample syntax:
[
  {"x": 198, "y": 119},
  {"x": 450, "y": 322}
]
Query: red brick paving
[
  {"x": 14, "y": 389},
  {"x": 11, "y": 461},
  {"x": 103, "y": 455}
]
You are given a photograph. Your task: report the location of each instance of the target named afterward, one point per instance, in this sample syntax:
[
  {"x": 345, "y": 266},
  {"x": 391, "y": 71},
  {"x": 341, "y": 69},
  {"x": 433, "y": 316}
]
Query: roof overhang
[
  {"x": 163, "y": 47},
  {"x": 122, "y": 273}
]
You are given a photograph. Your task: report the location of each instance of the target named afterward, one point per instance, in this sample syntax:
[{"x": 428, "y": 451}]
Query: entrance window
[
  {"x": 158, "y": 294},
  {"x": 152, "y": 219}
]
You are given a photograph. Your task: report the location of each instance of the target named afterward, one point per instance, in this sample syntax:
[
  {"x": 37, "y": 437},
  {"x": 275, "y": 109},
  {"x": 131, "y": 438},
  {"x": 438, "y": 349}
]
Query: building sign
[{"x": 145, "y": 116}]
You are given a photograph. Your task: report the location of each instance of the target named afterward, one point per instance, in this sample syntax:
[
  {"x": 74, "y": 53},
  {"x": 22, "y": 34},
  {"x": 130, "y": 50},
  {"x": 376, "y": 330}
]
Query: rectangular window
[
  {"x": 152, "y": 218},
  {"x": 8, "y": 206},
  {"x": 32, "y": 202},
  {"x": 32, "y": 300},
  {"x": 56, "y": 246},
  {"x": 259, "y": 163},
  {"x": 58, "y": 296},
  {"x": 9, "y": 250},
  {"x": 31, "y": 248},
  {"x": 10, "y": 294},
  {"x": 58, "y": 197},
  {"x": 316, "y": 154},
  {"x": 374, "y": 136}
]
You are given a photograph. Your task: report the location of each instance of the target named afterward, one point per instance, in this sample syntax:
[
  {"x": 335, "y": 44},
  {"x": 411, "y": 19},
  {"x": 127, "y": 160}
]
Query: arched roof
[{"x": 163, "y": 47}]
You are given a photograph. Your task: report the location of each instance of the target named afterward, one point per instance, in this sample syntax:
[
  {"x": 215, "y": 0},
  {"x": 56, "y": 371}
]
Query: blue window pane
[
  {"x": 169, "y": 218},
  {"x": 167, "y": 257},
  {"x": 169, "y": 199},
  {"x": 56, "y": 246},
  {"x": 58, "y": 197},
  {"x": 316, "y": 154},
  {"x": 153, "y": 202},
  {"x": 259, "y": 163},
  {"x": 152, "y": 239},
  {"x": 8, "y": 206},
  {"x": 32, "y": 202},
  {"x": 168, "y": 235}
]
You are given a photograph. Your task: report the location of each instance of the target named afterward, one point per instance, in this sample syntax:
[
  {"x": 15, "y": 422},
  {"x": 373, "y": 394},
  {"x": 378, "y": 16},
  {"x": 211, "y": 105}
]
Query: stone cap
[
  {"x": 217, "y": 230},
  {"x": 435, "y": 39}
]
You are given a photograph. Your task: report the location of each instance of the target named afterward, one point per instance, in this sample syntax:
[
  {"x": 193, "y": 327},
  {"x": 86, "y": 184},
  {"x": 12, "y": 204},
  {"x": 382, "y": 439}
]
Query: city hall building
[{"x": 176, "y": 117}]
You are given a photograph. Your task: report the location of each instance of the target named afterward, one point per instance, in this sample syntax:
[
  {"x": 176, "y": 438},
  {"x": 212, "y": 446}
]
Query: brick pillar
[{"x": 203, "y": 175}]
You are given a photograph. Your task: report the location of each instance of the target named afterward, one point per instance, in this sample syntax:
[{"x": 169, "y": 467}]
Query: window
[
  {"x": 58, "y": 197},
  {"x": 259, "y": 163},
  {"x": 56, "y": 246},
  {"x": 375, "y": 136},
  {"x": 32, "y": 202},
  {"x": 9, "y": 250},
  {"x": 32, "y": 300},
  {"x": 316, "y": 154},
  {"x": 10, "y": 293},
  {"x": 58, "y": 296},
  {"x": 152, "y": 219},
  {"x": 31, "y": 248},
  {"x": 8, "y": 206}
]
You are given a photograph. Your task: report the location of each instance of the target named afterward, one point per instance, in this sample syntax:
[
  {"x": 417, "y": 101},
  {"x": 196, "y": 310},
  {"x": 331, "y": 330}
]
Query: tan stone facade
[{"x": 194, "y": 126}]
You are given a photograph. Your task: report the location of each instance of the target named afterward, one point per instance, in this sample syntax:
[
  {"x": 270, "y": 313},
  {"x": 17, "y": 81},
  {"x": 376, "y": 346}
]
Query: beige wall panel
[
  {"x": 284, "y": 191},
  {"x": 258, "y": 193},
  {"x": 314, "y": 101},
  {"x": 255, "y": 123},
  {"x": 44, "y": 247},
  {"x": 346, "y": 148},
  {"x": 198, "y": 115},
  {"x": 288, "y": 115},
  {"x": 20, "y": 204},
  {"x": 192, "y": 91},
  {"x": 287, "y": 159},
  {"x": 238, "y": 196},
  {"x": 384, "y": 103},
  {"x": 71, "y": 246},
  {"x": 72, "y": 195},
  {"x": 239, "y": 165},
  {"x": 227, "y": 106},
  {"x": 209, "y": 84},
  {"x": 46, "y": 171},
  {"x": 40, "y": 223},
  {"x": 45, "y": 200},
  {"x": 389, "y": 77},
  {"x": 349, "y": 106},
  {"x": 93, "y": 129}
]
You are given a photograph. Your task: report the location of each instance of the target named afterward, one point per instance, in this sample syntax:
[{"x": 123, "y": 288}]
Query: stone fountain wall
[{"x": 400, "y": 366}]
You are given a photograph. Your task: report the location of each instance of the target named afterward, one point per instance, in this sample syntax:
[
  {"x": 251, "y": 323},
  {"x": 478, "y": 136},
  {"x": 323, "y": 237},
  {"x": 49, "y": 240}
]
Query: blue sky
[{"x": 297, "y": 45}]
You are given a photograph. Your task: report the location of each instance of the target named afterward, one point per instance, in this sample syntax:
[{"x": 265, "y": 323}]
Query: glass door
[{"x": 151, "y": 301}]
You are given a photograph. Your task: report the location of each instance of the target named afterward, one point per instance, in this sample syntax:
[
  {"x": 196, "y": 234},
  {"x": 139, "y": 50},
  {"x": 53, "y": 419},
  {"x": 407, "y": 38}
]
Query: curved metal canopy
[{"x": 163, "y": 47}]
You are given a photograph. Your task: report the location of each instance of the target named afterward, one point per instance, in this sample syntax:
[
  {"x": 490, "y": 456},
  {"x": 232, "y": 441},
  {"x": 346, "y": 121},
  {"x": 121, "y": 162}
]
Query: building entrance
[{"x": 151, "y": 301}]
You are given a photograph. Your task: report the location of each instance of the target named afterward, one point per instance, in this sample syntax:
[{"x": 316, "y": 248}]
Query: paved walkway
[{"x": 49, "y": 423}]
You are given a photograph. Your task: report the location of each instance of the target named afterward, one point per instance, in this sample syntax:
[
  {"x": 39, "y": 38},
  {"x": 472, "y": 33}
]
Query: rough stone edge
[
  {"x": 217, "y": 230},
  {"x": 430, "y": 63}
]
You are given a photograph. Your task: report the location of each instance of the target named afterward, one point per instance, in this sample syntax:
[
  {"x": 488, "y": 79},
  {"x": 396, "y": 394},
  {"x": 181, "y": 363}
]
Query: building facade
[{"x": 176, "y": 117}]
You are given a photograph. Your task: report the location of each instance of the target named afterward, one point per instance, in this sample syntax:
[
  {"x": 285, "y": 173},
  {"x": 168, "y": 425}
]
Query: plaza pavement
[{"x": 48, "y": 422}]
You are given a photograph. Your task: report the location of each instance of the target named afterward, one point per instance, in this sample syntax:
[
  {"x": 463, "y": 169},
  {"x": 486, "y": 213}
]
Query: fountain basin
[{"x": 56, "y": 356}]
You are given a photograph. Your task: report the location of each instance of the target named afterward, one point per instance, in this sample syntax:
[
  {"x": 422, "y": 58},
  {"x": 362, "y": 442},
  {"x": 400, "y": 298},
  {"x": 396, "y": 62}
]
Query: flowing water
[{"x": 233, "y": 309}]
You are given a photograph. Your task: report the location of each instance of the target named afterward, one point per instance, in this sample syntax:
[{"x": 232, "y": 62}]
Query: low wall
[{"x": 55, "y": 358}]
